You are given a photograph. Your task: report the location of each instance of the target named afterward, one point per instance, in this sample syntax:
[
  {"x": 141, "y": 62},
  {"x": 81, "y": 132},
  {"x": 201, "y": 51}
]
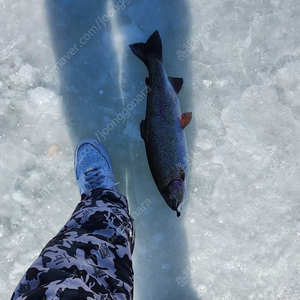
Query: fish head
[{"x": 175, "y": 195}]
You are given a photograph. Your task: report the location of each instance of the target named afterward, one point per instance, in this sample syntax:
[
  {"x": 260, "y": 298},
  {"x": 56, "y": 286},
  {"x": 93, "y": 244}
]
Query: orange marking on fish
[{"x": 186, "y": 119}]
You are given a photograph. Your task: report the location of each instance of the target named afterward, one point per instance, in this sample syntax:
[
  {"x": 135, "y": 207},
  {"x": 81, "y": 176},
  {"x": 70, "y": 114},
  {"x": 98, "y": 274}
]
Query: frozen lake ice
[{"x": 67, "y": 71}]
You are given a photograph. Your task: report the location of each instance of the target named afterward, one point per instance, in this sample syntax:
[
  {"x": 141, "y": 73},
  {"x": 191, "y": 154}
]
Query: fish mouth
[
  {"x": 179, "y": 207},
  {"x": 175, "y": 195}
]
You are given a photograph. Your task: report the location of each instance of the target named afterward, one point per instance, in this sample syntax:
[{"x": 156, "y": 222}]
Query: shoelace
[{"x": 94, "y": 177}]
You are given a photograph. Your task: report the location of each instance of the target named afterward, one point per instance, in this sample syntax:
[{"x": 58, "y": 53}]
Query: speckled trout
[{"x": 162, "y": 129}]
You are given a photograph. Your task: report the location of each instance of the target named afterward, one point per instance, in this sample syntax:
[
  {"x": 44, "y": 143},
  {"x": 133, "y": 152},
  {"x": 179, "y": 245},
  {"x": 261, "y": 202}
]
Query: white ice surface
[{"x": 239, "y": 233}]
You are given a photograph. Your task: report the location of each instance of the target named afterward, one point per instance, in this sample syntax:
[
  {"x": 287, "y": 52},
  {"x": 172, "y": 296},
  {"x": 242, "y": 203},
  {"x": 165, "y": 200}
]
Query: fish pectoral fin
[
  {"x": 182, "y": 173},
  {"x": 186, "y": 119},
  {"x": 176, "y": 83},
  {"x": 143, "y": 129}
]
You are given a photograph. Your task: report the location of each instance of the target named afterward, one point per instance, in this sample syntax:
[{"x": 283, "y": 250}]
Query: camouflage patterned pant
[{"x": 90, "y": 257}]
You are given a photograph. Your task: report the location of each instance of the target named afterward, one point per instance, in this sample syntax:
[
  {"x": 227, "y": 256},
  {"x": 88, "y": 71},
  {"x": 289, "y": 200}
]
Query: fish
[{"x": 163, "y": 127}]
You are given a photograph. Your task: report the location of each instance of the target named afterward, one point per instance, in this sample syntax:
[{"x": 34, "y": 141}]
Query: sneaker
[{"x": 93, "y": 167}]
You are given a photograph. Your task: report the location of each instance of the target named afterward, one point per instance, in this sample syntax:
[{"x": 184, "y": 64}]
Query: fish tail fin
[{"x": 152, "y": 49}]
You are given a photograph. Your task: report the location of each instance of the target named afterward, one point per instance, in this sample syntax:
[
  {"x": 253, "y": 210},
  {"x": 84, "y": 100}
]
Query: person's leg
[{"x": 90, "y": 258}]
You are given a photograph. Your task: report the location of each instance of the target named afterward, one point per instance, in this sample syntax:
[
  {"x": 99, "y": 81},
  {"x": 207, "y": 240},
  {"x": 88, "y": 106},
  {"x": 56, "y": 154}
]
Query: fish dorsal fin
[
  {"x": 176, "y": 83},
  {"x": 186, "y": 119}
]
